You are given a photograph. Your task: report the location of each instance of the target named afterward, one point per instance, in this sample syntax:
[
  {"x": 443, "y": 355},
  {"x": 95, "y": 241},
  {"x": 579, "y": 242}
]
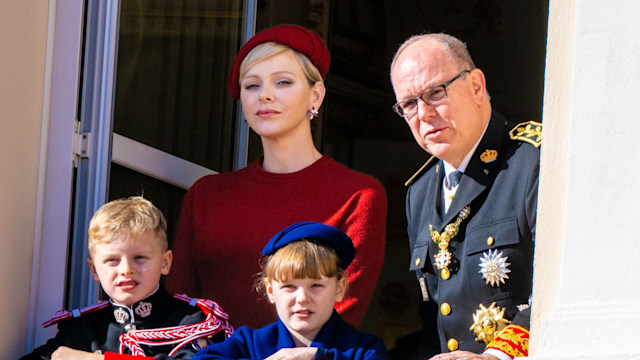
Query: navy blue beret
[{"x": 320, "y": 233}]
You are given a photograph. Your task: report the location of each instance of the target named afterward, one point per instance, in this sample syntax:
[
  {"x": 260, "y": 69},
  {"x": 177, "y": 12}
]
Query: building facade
[{"x": 80, "y": 129}]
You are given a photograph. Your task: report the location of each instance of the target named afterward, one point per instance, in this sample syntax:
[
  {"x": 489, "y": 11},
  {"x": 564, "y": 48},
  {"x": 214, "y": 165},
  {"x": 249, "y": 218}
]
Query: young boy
[
  {"x": 303, "y": 274},
  {"x": 128, "y": 255}
]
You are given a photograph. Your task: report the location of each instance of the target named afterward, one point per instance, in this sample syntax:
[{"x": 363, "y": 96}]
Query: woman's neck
[{"x": 287, "y": 157}]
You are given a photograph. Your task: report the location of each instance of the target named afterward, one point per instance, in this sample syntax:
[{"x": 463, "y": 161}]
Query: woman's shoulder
[
  {"x": 221, "y": 179},
  {"x": 344, "y": 174}
]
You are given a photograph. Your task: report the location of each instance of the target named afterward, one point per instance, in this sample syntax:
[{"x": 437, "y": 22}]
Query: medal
[
  {"x": 493, "y": 267},
  {"x": 488, "y": 322},
  {"x": 443, "y": 258}
]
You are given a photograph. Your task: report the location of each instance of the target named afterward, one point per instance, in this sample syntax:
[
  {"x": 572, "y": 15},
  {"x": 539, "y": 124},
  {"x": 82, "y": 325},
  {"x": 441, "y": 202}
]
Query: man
[{"x": 471, "y": 209}]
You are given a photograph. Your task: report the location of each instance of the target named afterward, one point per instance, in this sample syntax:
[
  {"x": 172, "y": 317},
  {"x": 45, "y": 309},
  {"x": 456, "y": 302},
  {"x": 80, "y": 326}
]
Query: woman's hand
[
  {"x": 65, "y": 353},
  {"x": 296, "y": 353}
]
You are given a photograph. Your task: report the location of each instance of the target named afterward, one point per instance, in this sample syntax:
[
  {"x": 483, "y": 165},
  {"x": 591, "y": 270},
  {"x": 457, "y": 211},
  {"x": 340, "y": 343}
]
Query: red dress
[{"x": 227, "y": 219}]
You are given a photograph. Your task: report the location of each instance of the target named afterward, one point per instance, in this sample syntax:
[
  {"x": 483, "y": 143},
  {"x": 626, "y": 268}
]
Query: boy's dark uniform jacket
[
  {"x": 99, "y": 332},
  {"x": 501, "y": 188}
]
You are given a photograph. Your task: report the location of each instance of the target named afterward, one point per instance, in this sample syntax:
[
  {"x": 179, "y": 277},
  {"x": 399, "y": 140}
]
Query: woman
[{"x": 227, "y": 218}]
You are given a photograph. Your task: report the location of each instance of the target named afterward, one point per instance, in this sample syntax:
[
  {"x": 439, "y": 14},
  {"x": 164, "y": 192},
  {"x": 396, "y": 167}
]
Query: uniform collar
[
  {"x": 448, "y": 168},
  {"x": 482, "y": 167},
  {"x": 139, "y": 310}
]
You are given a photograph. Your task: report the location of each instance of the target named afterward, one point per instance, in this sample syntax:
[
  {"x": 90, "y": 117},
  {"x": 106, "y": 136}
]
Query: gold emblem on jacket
[
  {"x": 488, "y": 322},
  {"x": 488, "y": 156}
]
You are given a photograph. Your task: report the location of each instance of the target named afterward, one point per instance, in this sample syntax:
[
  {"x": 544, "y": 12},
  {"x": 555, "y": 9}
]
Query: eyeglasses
[{"x": 432, "y": 96}]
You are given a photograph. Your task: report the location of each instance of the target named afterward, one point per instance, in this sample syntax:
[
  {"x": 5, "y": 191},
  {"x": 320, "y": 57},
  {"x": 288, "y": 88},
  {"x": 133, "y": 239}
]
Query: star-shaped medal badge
[
  {"x": 493, "y": 267},
  {"x": 488, "y": 322}
]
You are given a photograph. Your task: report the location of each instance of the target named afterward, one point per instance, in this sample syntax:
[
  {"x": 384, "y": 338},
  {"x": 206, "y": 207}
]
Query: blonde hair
[
  {"x": 300, "y": 260},
  {"x": 134, "y": 216},
  {"x": 269, "y": 49}
]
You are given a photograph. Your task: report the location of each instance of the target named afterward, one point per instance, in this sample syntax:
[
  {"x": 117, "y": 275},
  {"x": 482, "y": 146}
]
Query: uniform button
[
  {"x": 445, "y": 309},
  {"x": 490, "y": 240},
  {"x": 452, "y": 344},
  {"x": 418, "y": 262}
]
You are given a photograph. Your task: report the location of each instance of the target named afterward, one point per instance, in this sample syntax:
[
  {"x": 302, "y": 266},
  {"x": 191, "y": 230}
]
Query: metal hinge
[{"x": 81, "y": 143}]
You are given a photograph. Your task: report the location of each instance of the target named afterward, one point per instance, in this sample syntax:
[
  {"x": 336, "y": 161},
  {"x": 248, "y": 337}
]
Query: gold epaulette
[
  {"x": 419, "y": 172},
  {"x": 528, "y": 131}
]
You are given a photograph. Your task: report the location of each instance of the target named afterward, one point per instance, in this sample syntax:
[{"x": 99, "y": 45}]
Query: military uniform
[
  {"x": 161, "y": 326},
  {"x": 474, "y": 264}
]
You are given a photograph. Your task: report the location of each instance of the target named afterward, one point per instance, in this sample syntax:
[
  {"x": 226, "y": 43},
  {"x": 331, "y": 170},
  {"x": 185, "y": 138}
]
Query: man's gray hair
[{"x": 455, "y": 48}]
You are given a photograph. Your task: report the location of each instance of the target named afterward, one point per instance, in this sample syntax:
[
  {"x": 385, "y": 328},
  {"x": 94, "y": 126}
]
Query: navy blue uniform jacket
[
  {"x": 99, "y": 332},
  {"x": 336, "y": 340},
  {"x": 503, "y": 197}
]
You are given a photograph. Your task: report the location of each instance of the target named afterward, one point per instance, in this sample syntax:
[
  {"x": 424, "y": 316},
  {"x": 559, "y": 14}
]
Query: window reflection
[{"x": 173, "y": 61}]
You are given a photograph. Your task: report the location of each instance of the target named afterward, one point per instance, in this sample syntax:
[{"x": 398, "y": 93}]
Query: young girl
[{"x": 303, "y": 274}]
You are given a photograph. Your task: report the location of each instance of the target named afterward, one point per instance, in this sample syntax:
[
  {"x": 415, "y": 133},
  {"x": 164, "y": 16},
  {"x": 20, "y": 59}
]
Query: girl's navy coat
[{"x": 337, "y": 340}]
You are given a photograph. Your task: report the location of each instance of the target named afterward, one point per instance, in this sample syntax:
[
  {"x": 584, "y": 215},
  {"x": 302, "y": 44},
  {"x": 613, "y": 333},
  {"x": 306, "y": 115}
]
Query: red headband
[{"x": 293, "y": 36}]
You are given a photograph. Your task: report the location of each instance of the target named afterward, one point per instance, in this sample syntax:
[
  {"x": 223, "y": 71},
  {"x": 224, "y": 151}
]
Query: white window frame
[
  {"x": 53, "y": 214},
  {"x": 62, "y": 91}
]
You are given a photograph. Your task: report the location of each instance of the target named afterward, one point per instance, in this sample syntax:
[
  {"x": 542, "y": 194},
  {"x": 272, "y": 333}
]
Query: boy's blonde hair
[
  {"x": 134, "y": 216},
  {"x": 299, "y": 260},
  {"x": 269, "y": 49}
]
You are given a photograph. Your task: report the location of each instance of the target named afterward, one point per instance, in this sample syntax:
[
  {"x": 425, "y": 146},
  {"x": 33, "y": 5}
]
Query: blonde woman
[{"x": 279, "y": 77}]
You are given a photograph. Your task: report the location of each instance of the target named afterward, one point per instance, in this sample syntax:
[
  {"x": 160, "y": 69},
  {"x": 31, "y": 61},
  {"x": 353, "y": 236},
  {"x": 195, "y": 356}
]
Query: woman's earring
[{"x": 313, "y": 113}]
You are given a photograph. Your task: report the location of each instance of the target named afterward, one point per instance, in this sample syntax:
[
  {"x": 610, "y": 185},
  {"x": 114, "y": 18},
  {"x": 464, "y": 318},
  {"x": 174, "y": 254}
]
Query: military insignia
[
  {"x": 121, "y": 315},
  {"x": 488, "y": 322},
  {"x": 443, "y": 258},
  {"x": 489, "y": 156},
  {"x": 143, "y": 309},
  {"x": 493, "y": 267},
  {"x": 523, "y": 307},
  {"x": 529, "y": 131}
]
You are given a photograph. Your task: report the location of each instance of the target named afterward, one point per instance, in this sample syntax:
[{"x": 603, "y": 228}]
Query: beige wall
[
  {"x": 586, "y": 296},
  {"x": 23, "y": 37},
  {"x": 554, "y": 159}
]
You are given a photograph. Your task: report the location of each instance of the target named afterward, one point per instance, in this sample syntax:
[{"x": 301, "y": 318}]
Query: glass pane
[
  {"x": 171, "y": 87},
  {"x": 168, "y": 198}
]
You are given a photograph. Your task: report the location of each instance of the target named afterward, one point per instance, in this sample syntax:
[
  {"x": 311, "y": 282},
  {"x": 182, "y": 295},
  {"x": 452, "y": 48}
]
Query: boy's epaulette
[
  {"x": 207, "y": 306},
  {"x": 66, "y": 314},
  {"x": 528, "y": 131},
  {"x": 421, "y": 171}
]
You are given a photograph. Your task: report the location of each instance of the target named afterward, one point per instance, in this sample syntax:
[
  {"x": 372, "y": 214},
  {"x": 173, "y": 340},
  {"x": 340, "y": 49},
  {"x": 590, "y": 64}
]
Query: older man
[{"x": 471, "y": 209}]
